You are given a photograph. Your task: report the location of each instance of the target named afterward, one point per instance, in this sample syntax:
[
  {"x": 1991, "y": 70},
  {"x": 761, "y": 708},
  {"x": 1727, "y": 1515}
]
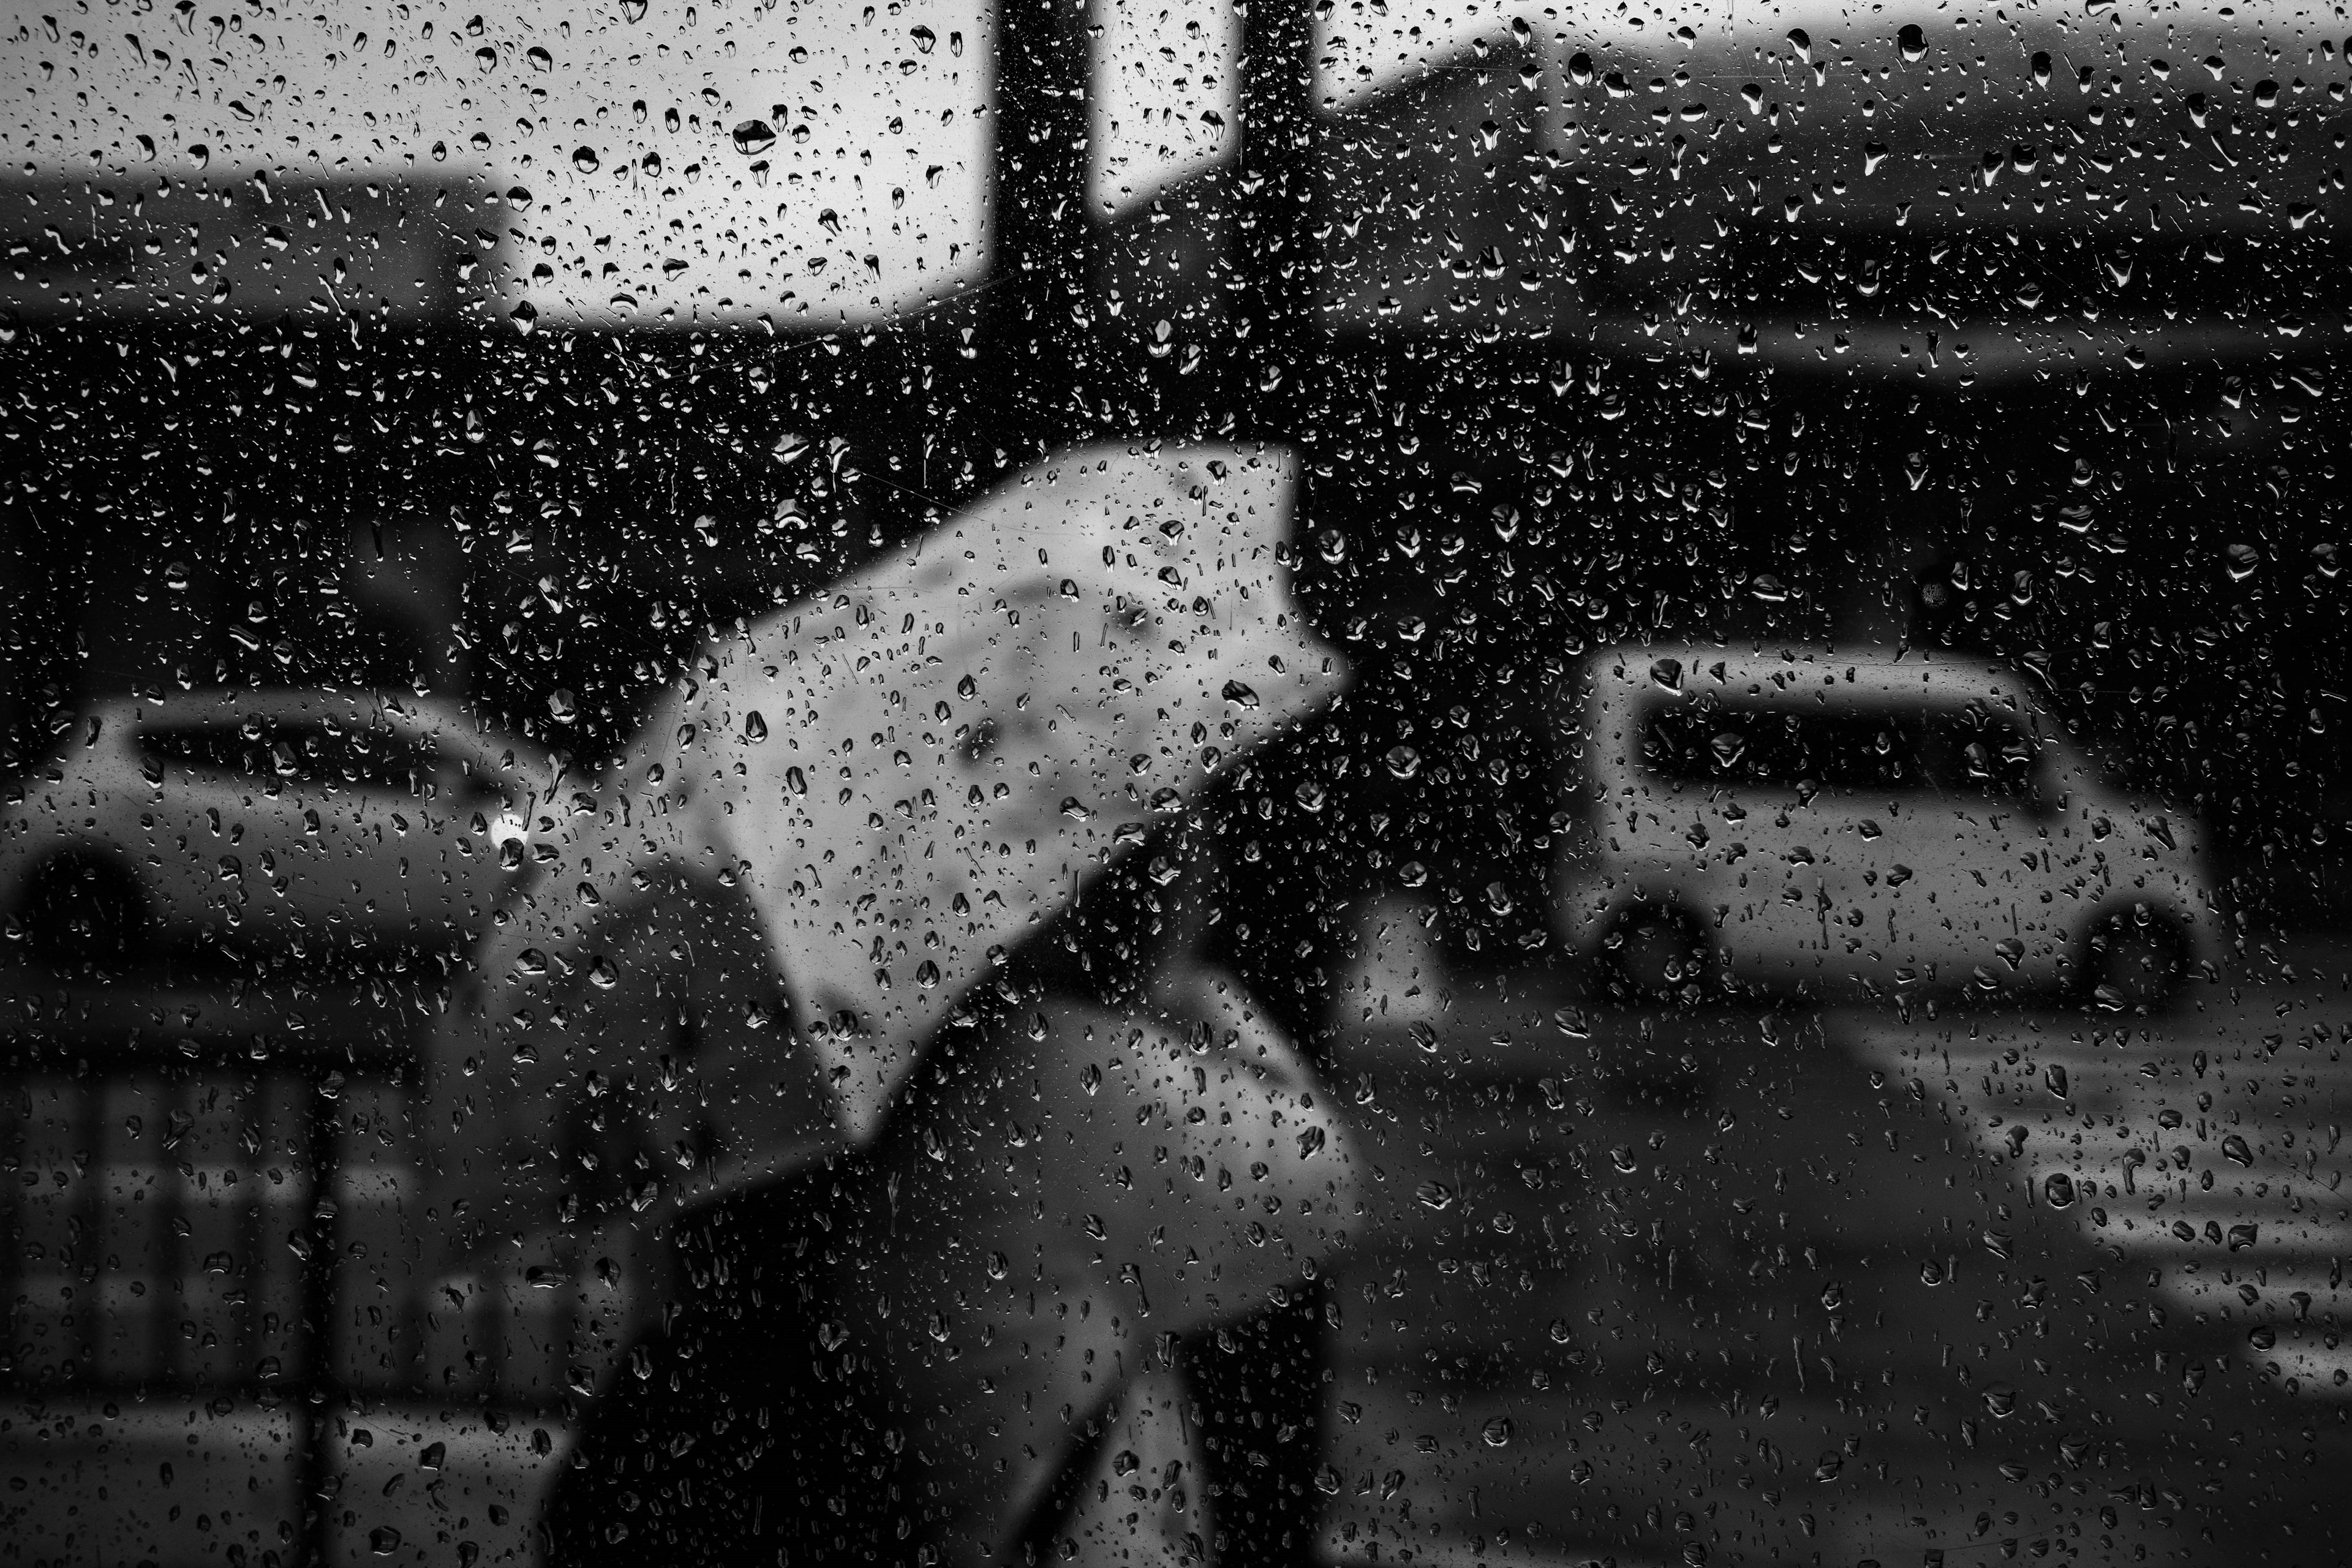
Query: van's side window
[{"x": 1774, "y": 747}]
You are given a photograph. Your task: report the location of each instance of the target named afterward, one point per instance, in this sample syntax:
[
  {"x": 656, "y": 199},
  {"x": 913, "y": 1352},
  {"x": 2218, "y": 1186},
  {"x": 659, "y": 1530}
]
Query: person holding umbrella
[{"x": 847, "y": 850}]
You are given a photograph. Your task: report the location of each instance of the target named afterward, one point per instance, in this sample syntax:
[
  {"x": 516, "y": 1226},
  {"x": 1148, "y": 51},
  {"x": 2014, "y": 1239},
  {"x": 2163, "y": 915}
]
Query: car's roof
[
  {"x": 434, "y": 714},
  {"x": 1874, "y": 670},
  {"x": 280, "y": 701}
]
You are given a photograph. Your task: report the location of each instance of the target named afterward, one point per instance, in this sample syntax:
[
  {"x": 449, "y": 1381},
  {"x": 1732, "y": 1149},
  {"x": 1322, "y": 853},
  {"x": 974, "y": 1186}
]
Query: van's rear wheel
[
  {"x": 79, "y": 911},
  {"x": 1658, "y": 954},
  {"x": 2133, "y": 962}
]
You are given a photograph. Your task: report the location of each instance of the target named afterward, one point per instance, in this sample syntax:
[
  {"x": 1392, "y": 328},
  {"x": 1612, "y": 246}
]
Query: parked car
[
  {"x": 1859, "y": 820},
  {"x": 286, "y": 815}
]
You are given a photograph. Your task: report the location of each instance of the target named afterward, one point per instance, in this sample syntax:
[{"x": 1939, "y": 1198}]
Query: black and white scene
[{"x": 1175, "y": 783}]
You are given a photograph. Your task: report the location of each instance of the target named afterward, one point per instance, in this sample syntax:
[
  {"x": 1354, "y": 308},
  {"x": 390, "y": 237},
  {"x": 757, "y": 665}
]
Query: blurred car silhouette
[
  {"x": 297, "y": 815},
  {"x": 1848, "y": 822}
]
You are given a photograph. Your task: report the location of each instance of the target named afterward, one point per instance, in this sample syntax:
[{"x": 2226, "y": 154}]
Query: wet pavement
[{"x": 1747, "y": 1285}]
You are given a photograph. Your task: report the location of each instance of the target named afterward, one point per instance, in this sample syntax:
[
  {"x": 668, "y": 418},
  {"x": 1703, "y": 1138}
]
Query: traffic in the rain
[{"x": 1217, "y": 786}]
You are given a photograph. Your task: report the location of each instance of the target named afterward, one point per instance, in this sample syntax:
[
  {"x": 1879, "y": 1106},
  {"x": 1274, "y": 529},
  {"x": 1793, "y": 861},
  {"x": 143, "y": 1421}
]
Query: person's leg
[
  {"x": 1260, "y": 1388},
  {"x": 728, "y": 1432}
]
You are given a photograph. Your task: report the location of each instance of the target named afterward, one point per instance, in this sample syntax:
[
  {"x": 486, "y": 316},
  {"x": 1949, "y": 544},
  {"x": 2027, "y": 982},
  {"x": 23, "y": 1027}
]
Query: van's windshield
[{"x": 1955, "y": 750}]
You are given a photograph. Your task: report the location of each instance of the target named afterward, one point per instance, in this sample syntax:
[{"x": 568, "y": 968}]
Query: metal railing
[{"x": 210, "y": 1200}]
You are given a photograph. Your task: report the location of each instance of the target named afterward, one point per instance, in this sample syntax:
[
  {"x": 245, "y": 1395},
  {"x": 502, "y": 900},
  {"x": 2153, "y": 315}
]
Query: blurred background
[{"x": 395, "y": 401}]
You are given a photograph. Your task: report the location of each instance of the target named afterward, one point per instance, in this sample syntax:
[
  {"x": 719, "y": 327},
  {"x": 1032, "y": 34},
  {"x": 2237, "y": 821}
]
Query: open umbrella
[{"x": 844, "y": 816}]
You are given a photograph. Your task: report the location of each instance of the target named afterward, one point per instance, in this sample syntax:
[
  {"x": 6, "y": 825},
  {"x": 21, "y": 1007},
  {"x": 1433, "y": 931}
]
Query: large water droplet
[{"x": 754, "y": 136}]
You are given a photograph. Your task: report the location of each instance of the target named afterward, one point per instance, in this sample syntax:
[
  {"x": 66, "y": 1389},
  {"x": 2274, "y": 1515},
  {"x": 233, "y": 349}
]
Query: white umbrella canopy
[{"x": 845, "y": 816}]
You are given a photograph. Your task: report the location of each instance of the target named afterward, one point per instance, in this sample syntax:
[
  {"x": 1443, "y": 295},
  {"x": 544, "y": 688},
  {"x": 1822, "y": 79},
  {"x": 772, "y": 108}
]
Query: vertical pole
[
  {"x": 1277, "y": 258},
  {"x": 1036, "y": 307},
  {"x": 314, "y": 1384}
]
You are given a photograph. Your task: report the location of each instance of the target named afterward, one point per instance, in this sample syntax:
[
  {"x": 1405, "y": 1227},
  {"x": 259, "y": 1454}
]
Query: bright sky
[{"x": 618, "y": 116}]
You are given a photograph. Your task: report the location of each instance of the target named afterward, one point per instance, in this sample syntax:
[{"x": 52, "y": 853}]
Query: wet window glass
[{"x": 1333, "y": 783}]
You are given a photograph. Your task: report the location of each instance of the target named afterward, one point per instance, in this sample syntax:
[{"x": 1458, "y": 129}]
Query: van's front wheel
[
  {"x": 2132, "y": 962},
  {"x": 1658, "y": 954}
]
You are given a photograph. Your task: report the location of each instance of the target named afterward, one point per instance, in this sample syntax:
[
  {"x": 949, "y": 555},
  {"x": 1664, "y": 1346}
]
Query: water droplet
[
  {"x": 602, "y": 974},
  {"x": 926, "y": 975},
  {"x": 540, "y": 58},
  {"x": 2233, "y": 1147},
  {"x": 1496, "y": 1432},
  {"x": 753, "y": 136},
  {"x": 1727, "y": 747},
  {"x": 199, "y": 154},
  {"x": 560, "y": 706},
  {"x": 1412, "y": 874},
  {"x": 1236, "y": 693},
  {"x": 1912, "y": 42},
  {"x": 924, "y": 39},
  {"x": 2244, "y": 560},
  {"x": 633, "y": 10},
  {"x": 2058, "y": 1189},
  {"x": 585, "y": 160},
  {"x": 2055, "y": 1078},
  {"x": 1434, "y": 1195},
  {"x": 755, "y": 727},
  {"x": 1668, "y": 673},
  {"x": 486, "y": 57},
  {"x": 383, "y": 1541}
]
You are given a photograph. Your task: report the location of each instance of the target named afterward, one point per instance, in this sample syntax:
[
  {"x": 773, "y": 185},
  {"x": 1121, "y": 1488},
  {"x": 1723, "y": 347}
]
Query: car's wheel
[
  {"x": 2132, "y": 961},
  {"x": 1656, "y": 952},
  {"x": 78, "y": 909}
]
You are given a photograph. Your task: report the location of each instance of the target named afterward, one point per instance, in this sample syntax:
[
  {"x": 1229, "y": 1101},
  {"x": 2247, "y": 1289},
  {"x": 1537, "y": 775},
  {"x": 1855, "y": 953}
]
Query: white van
[{"x": 1856, "y": 821}]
